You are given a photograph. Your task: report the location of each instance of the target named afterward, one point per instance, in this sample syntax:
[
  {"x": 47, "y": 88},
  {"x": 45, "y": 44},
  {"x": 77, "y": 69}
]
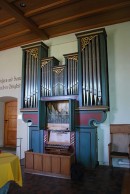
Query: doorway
[
  {"x": 10, "y": 124},
  {"x": 4, "y": 100}
]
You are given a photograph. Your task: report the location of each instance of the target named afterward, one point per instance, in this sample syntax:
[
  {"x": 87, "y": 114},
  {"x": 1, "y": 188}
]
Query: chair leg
[
  {"x": 110, "y": 161},
  {"x": 129, "y": 164}
]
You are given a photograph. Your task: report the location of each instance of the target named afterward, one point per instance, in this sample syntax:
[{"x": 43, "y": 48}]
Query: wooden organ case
[{"x": 64, "y": 102}]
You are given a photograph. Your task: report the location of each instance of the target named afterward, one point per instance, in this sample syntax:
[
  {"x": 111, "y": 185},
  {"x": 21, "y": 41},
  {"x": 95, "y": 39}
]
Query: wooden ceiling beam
[
  {"x": 19, "y": 41},
  {"x": 14, "y": 35},
  {"x": 80, "y": 9},
  {"x": 7, "y": 21},
  {"x": 67, "y": 16},
  {"x": 47, "y": 6},
  {"x": 13, "y": 10},
  {"x": 105, "y": 19}
]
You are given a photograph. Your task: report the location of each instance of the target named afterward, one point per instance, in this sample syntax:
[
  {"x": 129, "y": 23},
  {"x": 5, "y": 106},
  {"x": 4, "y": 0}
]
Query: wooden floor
[
  {"x": 101, "y": 180},
  {"x": 126, "y": 184}
]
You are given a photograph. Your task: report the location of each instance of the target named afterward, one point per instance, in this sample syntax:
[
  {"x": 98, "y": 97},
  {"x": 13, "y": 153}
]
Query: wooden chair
[{"x": 119, "y": 146}]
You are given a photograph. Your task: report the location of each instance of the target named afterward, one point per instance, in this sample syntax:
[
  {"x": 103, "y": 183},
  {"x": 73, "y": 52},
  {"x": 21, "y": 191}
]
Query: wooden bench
[{"x": 119, "y": 146}]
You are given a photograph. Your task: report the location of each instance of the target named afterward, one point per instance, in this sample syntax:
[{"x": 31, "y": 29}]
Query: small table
[{"x": 10, "y": 170}]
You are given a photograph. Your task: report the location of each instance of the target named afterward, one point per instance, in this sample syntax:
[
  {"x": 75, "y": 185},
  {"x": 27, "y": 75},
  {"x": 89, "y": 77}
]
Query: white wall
[
  {"x": 10, "y": 86},
  {"x": 119, "y": 72},
  {"x": 118, "y": 39},
  {"x": 62, "y": 45},
  {"x": 119, "y": 68}
]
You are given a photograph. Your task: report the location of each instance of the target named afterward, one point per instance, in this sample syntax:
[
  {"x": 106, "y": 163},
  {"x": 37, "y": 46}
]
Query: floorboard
[
  {"x": 126, "y": 184},
  {"x": 101, "y": 180}
]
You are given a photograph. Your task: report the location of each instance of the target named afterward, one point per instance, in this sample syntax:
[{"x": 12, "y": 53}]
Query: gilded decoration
[
  {"x": 85, "y": 41},
  {"x": 45, "y": 62},
  {"x": 74, "y": 58},
  {"x": 33, "y": 52},
  {"x": 58, "y": 70}
]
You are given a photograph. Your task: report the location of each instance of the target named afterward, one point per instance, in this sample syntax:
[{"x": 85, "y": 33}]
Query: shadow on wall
[{"x": 7, "y": 99}]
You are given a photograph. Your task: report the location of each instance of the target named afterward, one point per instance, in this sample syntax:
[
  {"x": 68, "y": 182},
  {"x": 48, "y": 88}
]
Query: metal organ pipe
[
  {"x": 72, "y": 74},
  {"x": 87, "y": 76},
  {"x": 83, "y": 85},
  {"x": 68, "y": 73},
  {"x": 91, "y": 80},
  {"x": 26, "y": 82},
  {"x": 31, "y": 85},
  {"x": 98, "y": 71},
  {"x": 94, "y": 71},
  {"x": 31, "y": 71},
  {"x": 49, "y": 78},
  {"x": 36, "y": 88},
  {"x": 71, "y": 78},
  {"x": 46, "y": 77},
  {"x": 90, "y": 74},
  {"x": 29, "y": 77}
]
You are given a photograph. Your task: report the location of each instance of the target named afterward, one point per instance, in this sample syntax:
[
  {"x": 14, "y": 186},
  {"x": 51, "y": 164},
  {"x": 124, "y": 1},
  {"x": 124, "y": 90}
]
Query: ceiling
[{"x": 26, "y": 21}]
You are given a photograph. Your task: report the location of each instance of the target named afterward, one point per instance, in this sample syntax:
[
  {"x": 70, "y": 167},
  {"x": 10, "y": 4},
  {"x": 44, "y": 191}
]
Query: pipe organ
[
  {"x": 31, "y": 70},
  {"x": 71, "y": 61},
  {"x": 59, "y": 81},
  {"x": 46, "y": 75},
  {"x": 93, "y": 68},
  {"x": 31, "y": 63},
  {"x": 64, "y": 101}
]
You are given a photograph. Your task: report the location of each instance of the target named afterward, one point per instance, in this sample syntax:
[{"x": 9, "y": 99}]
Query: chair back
[{"x": 120, "y": 137}]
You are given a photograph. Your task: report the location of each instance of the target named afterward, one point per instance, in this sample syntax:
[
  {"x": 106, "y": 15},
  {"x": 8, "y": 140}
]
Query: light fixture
[{"x": 22, "y": 4}]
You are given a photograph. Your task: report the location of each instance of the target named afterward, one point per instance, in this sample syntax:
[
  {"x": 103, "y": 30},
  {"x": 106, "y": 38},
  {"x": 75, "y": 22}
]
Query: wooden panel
[
  {"x": 11, "y": 138},
  {"x": 34, "y": 139},
  {"x": 90, "y": 22},
  {"x": 120, "y": 142},
  {"x": 20, "y": 40},
  {"x": 47, "y": 163},
  {"x": 40, "y": 5},
  {"x": 65, "y": 14},
  {"x": 38, "y": 162},
  {"x": 10, "y": 124},
  {"x": 120, "y": 128},
  {"x": 73, "y": 16},
  {"x": 29, "y": 160},
  {"x": 65, "y": 166},
  {"x": 83, "y": 141},
  {"x": 12, "y": 29},
  {"x": 86, "y": 147},
  {"x": 4, "y": 15},
  {"x": 119, "y": 146},
  {"x": 55, "y": 164}
]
